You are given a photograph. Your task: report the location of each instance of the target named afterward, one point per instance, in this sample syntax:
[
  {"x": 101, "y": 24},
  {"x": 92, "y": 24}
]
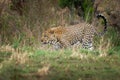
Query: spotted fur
[{"x": 63, "y": 37}]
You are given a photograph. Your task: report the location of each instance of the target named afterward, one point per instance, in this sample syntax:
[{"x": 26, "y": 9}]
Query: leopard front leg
[
  {"x": 57, "y": 46},
  {"x": 65, "y": 43}
]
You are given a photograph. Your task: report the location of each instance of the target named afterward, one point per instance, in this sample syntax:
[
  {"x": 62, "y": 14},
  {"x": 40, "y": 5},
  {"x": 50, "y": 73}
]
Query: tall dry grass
[{"x": 38, "y": 15}]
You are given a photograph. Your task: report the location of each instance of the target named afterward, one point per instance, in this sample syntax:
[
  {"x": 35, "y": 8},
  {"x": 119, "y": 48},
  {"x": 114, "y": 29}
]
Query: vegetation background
[{"x": 22, "y": 57}]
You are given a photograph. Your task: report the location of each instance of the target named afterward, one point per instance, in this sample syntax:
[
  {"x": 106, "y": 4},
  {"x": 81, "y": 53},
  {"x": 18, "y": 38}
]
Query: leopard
[{"x": 67, "y": 36}]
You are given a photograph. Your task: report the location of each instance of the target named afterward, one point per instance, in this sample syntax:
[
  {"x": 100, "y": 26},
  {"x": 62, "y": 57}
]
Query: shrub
[{"x": 85, "y": 5}]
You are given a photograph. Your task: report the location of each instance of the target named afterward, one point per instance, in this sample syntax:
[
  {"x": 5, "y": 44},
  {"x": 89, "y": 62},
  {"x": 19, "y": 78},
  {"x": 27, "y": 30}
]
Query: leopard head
[{"x": 48, "y": 37}]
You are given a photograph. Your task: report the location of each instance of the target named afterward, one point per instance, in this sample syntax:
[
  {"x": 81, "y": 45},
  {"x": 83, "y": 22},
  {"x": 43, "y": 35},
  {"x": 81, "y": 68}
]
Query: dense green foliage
[
  {"x": 68, "y": 3},
  {"x": 86, "y": 6},
  {"x": 88, "y": 10}
]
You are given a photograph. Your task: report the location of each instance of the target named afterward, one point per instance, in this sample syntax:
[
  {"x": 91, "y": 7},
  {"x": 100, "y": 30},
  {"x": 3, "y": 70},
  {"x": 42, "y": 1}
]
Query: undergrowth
[{"x": 40, "y": 64}]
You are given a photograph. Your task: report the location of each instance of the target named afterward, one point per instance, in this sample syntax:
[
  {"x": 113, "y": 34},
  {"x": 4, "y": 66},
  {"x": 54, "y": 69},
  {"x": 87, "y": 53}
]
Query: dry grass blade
[{"x": 2, "y": 5}]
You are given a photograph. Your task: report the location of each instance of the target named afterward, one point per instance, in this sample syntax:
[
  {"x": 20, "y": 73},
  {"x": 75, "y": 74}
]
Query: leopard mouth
[{"x": 44, "y": 42}]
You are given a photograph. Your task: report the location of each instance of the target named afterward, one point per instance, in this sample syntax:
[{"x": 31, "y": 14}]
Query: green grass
[
  {"x": 4, "y": 55},
  {"x": 62, "y": 66}
]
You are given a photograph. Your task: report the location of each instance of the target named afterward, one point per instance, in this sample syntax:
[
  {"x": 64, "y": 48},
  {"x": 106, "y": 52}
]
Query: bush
[{"x": 85, "y": 5}]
